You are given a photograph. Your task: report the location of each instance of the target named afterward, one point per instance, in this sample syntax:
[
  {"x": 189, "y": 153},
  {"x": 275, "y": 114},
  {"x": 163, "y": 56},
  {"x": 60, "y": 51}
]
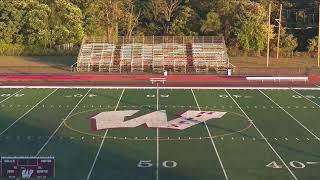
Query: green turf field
[{"x": 264, "y": 135}]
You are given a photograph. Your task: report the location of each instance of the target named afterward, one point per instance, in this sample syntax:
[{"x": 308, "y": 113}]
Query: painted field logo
[{"x": 156, "y": 119}]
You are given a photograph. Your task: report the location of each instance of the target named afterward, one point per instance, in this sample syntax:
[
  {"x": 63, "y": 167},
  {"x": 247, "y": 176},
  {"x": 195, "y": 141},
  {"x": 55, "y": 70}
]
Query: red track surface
[
  {"x": 133, "y": 80},
  {"x": 119, "y": 78}
]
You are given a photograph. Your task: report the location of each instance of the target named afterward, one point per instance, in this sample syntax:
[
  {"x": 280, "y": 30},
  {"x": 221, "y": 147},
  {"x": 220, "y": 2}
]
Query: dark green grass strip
[
  {"x": 32, "y": 131},
  {"x": 311, "y": 95},
  {"x": 15, "y": 107},
  {"x": 8, "y": 93},
  {"x": 118, "y": 159},
  {"x": 303, "y": 110},
  {"x": 243, "y": 154},
  {"x": 74, "y": 151},
  {"x": 287, "y": 137},
  {"x": 196, "y": 159}
]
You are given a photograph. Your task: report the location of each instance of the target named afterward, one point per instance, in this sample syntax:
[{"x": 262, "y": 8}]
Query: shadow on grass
[{"x": 53, "y": 60}]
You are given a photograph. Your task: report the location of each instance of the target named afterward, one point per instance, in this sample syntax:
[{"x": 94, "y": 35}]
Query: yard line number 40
[
  {"x": 294, "y": 164},
  {"x": 148, "y": 164}
]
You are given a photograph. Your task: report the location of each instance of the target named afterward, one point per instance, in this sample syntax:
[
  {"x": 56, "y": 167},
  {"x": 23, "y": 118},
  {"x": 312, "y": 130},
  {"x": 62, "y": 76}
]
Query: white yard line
[
  {"x": 264, "y": 138},
  {"x": 291, "y": 116},
  {"x": 45, "y": 144},
  {"x": 157, "y": 171},
  {"x": 27, "y": 112},
  {"x": 306, "y": 98},
  {"x": 149, "y": 87},
  {"x": 12, "y": 95},
  {"x": 102, "y": 142},
  {"x": 213, "y": 144}
]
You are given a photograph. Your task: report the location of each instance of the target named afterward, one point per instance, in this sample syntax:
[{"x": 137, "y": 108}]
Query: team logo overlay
[
  {"x": 156, "y": 119},
  {"x": 27, "y": 167}
]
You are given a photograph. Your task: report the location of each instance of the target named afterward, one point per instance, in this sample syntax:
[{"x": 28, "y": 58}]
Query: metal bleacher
[{"x": 152, "y": 53}]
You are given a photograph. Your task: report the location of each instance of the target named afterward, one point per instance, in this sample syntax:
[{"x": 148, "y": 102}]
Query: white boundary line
[
  {"x": 150, "y": 87},
  {"x": 27, "y": 112},
  {"x": 306, "y": 98},
  {"x": 157, "y": 171},
  {"x": 291, "y": 116},
  {"x": 213, "y": 144},
  {"x": 45, "y": 144},
  {"x": 102, "y": 142},
  {"x": 12, "y": 95},
  {"x": 264, "y": 138}
]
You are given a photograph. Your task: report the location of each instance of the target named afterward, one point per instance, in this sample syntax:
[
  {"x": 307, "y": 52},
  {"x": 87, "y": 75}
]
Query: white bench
[{"x": 153, "y": 80}]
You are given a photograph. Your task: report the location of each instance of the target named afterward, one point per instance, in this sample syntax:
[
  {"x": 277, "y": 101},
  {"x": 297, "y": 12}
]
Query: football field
[{"x": 263, "y": 134}]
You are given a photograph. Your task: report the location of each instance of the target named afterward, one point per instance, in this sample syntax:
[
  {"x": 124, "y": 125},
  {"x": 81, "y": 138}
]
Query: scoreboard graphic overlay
[{"x": 27, "y": 167}]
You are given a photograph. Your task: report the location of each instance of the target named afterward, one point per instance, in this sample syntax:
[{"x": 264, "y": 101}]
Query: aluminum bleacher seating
[{"x": 177, "y": 54}]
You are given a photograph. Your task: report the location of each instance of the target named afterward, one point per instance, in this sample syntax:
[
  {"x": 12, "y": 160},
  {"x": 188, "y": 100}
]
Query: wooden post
[
  {"x": 268, "y": 39},
  {"x": 319, "y": 40},
  {"x": 279, "y": 31}
]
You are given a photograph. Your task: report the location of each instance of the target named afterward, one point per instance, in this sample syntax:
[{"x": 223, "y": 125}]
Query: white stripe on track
[
  {"x": 102, "y": 142},
  {"x": 213, "y": 144},
  {"x": 264, "y": 138},
  {"x": 12, "y": 95},
  {"x": 306, "y": 98},
  {"x": 27, "y": 112},
  {"x": 291, "y": 116},
  {"x": 45, "y": 144}
]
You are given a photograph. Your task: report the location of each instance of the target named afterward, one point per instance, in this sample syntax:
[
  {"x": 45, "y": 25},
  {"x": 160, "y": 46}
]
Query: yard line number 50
[{"x": 148, "y": 164}]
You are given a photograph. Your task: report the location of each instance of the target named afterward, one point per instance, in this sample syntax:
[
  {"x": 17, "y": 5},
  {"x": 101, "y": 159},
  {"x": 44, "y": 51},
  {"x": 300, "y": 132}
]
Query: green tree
[
  {"x": 36, "y": 29},
  {"x": 185, "y": 22},
  {"x": 66, "y": 22},
  {"x": 288, "y": 44},
  {"x": 212, "y": 24},
  {"x": 250, "y": 27},
  {"x": 130, "y": 18},
  {"x": 165, "y": 10},
  {"x": 313, "y": 45},
  {"x": 11, "y": 21}
]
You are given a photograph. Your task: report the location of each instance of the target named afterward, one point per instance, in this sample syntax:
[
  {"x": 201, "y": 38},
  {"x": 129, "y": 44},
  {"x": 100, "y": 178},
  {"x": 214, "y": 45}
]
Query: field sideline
[{"x": 265, "y": 134}]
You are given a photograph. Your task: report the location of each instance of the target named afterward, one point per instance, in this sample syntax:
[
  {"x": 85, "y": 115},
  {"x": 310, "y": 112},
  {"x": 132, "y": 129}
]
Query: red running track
[{"x": 119, "y": 78}]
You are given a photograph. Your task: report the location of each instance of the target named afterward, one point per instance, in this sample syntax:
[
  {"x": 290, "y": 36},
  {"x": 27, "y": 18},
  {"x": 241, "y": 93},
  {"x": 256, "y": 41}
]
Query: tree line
[{"x": 45, "y": 27}]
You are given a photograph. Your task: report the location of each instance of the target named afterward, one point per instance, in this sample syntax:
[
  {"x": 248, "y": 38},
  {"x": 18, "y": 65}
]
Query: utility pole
[
  {"x": 268, "y": 39},
  {"x": 319, "y": 40},
  {"x": 279, "y": 31}
]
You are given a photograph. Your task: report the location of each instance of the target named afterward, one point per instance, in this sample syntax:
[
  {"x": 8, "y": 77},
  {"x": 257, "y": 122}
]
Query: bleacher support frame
[{"x": 153, "y": 53}]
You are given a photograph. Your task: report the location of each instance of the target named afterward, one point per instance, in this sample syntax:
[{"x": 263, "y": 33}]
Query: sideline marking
[
  {"x": 263, "y": 137},
  {"x": 306, "y": 97},
  {"x": 162, "y": 87},
  {"x": 102, "y": 142},
  {"x": 12, "y": 95},
  {"x": 27, "y": 112},
  {"x": 45, "y": 144},
  {"x": 291, "y": 116},
  {"x": 213, "y": 144}
]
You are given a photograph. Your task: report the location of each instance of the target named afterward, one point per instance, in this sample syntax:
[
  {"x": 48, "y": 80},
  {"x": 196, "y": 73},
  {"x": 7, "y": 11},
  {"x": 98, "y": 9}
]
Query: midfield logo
[
  {"x": 156, "y": 119},
  {"x": 27, "y": 173}
]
